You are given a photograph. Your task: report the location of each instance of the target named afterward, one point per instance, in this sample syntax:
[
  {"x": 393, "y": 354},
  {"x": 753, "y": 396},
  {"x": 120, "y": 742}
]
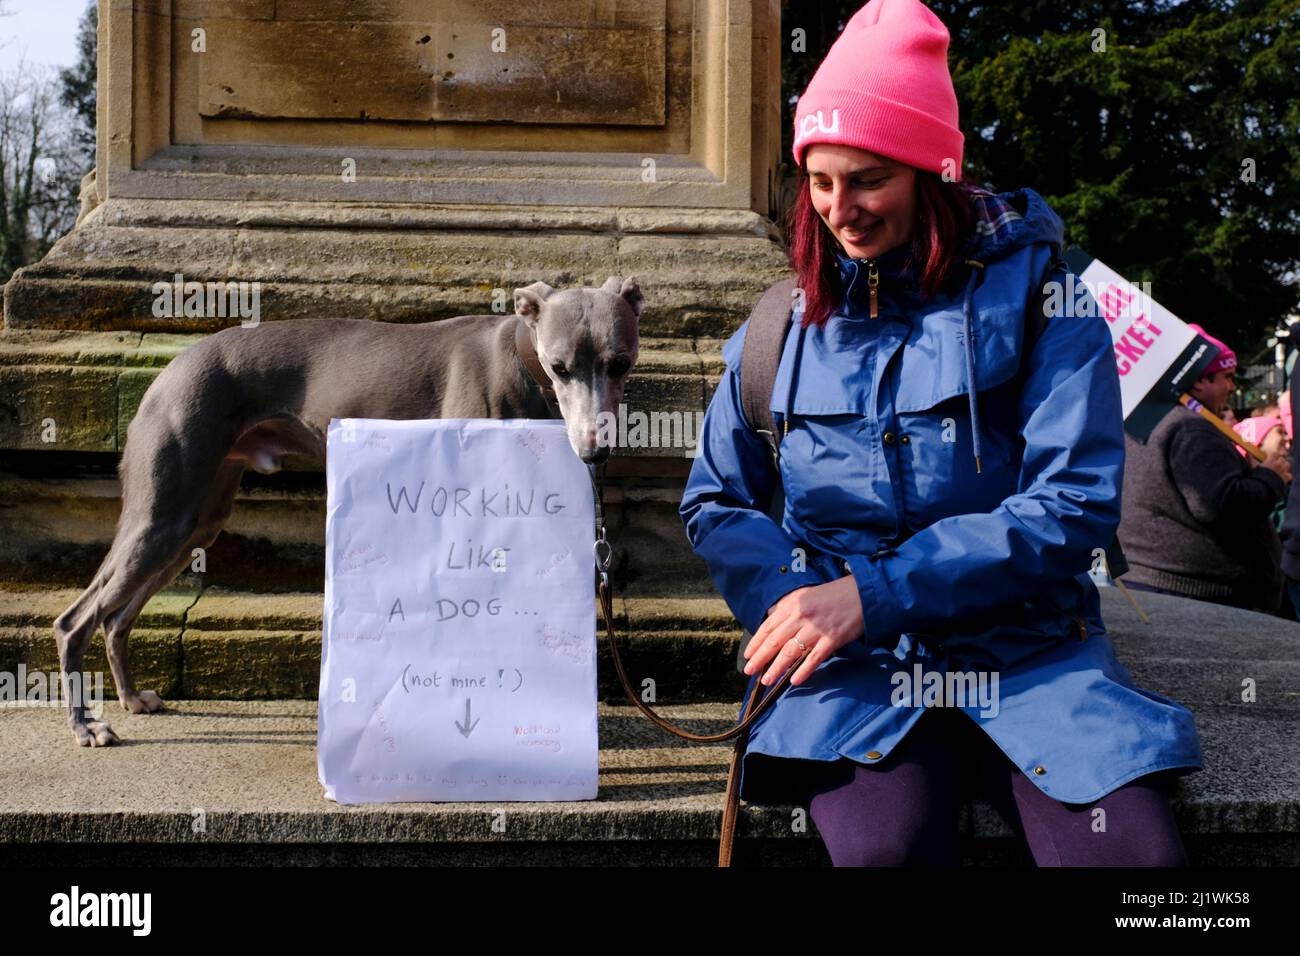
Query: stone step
[
  {"x": 67, "y": 391},
  {"x": 236, "y": 782},
  {"x": 56, "y": 530},
  {"x": 203, "y": 642},
  {"x": 700, "y": 270}
]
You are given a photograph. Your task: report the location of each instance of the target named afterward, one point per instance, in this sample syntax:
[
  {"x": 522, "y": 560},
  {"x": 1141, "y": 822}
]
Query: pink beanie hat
[
  {"x": 1226, "y": 358},
  {"x": 885, "y": 87},
  {"x": 1254, "y": 429}
]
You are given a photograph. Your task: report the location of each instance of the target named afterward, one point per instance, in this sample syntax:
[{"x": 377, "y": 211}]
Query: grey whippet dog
[{"x": 245, "y": 396}]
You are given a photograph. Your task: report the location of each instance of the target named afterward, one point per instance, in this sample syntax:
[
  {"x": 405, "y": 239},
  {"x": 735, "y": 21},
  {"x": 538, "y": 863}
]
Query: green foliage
[{"x": 78, "y": 84}]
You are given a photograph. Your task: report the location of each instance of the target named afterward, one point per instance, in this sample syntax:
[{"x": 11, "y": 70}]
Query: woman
[
  {"x": 1264, "y": 431},
  {"x": 935, "y": 562},
  {"x": 1268, "y": 433}
]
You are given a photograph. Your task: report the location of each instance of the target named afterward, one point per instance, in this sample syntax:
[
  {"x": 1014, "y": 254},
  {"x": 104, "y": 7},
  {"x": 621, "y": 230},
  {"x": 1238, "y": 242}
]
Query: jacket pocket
[
  {"x": 935, "y": 432},
  {"x": 936, "y": 454},
  {"x": 832, "y": 476},
  {"x": 841, "y": 743},
  {"x": 933, "y": 361}
]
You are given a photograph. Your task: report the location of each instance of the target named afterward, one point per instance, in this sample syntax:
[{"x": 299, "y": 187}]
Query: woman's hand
[{"x": 822, "y": 616}]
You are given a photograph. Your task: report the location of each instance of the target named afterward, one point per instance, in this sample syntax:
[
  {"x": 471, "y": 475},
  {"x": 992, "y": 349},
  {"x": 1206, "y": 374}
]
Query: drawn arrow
[{"x": 467, "y": 728}]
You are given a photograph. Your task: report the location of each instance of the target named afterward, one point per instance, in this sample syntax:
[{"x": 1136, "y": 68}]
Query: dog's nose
[{"x": 594, "y": 456}]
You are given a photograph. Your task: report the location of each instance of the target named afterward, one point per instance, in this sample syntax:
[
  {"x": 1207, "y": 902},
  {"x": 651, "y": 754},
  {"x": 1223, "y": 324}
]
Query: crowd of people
[{"x": 1203, "y": 517}]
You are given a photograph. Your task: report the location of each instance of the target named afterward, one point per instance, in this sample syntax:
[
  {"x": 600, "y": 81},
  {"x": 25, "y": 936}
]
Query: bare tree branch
[{"x": 39, "y": 167}]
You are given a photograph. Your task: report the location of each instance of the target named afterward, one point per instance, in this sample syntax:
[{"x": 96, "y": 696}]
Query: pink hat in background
[
  {"x": 884, "y": 86},
  {"x": 1226, "y": 358},
  {"x": 1254, "y": 429}
]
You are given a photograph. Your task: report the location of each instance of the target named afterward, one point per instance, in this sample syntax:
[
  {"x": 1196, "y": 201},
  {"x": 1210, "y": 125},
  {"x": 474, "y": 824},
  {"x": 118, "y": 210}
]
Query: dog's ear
[
  {"x": 628, "y": 290},
  {"x": 529, "y": 299}
]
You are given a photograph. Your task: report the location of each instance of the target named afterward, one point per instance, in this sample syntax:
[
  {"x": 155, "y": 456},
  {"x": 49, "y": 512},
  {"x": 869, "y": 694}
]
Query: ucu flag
[{"x": 816, "y": 123}]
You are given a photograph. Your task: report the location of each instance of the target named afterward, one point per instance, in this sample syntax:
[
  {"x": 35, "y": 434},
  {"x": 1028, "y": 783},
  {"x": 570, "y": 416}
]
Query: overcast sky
[{"x": 46, "y": 30}]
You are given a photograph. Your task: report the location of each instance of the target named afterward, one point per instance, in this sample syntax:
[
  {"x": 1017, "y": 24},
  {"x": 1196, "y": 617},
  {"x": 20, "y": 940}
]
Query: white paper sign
[
  {"x": 1149, "y": 339},
  {"x": 459, "y": 644}
]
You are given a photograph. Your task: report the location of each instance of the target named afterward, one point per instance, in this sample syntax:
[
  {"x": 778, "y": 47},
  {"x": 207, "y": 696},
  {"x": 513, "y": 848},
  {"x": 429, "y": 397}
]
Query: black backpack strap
[{"x": 769, "y": 324}]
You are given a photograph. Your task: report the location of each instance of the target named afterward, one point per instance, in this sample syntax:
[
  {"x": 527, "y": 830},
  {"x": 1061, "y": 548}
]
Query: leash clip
[{"x": 602, "y": 560}]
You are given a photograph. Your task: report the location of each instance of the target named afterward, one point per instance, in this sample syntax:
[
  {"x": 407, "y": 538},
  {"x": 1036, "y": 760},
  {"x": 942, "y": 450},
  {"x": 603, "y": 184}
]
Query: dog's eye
[
  {"x": 559, "y": 369},
  {"x": 618, "y": 368}
]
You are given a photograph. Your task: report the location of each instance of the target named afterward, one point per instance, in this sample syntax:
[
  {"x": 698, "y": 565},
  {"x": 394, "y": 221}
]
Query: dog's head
[{"x": 587, "y": 341}]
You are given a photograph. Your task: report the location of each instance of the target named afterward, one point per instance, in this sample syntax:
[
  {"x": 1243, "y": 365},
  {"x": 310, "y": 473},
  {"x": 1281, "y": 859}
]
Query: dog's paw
[
  {"x": 145, "y": 702},
  {"x": 94, "y": 733}
]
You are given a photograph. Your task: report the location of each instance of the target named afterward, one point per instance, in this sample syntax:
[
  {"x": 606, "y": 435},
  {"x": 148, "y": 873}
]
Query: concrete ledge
[
  {"x": 248, "y": 772},
  {"x": 251, "y": 765}
]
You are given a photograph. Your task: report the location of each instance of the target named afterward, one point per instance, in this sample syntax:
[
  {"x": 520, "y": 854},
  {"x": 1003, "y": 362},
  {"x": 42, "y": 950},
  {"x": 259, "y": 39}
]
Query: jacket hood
[{"x": 1004, "y": 223}]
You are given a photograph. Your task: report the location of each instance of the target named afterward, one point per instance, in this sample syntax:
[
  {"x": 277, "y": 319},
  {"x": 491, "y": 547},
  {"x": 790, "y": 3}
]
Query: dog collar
[{"x": 527, "y": 349}]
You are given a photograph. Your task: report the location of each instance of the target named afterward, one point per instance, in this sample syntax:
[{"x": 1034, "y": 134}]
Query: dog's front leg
[{"x": 72, "y": 649}]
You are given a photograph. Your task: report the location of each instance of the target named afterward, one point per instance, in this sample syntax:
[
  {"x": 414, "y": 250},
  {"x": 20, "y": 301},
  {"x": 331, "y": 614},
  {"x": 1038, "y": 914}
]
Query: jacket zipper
[{"x": 873, "y": 281}]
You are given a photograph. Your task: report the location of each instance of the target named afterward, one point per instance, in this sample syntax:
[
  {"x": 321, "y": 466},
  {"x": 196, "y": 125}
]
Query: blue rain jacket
[{"x": 959, "y": 570}]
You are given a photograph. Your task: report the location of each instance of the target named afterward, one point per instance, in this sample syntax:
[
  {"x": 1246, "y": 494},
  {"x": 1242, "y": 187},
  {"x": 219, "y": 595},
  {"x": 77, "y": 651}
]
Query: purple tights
[{"x": 903, "y": 810}]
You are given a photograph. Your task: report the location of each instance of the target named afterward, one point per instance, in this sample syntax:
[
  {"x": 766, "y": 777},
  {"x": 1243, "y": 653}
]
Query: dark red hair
[{"x": 944, "y": 221}]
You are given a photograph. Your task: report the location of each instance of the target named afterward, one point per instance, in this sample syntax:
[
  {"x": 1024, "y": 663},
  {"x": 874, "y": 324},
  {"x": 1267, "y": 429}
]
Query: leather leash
[
  {"x": 750, "y": 713},
  {"x": 603, "y": 553},
  {"x": 605, "y": 595}
]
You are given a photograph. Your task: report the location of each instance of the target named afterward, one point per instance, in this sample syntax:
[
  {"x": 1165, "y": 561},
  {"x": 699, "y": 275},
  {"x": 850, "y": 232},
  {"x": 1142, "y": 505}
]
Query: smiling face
[{"x": 866, "y": 200}]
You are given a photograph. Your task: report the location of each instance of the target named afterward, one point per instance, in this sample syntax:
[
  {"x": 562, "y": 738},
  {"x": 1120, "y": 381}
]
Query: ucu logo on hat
[{"x": 816, "y": 123}]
